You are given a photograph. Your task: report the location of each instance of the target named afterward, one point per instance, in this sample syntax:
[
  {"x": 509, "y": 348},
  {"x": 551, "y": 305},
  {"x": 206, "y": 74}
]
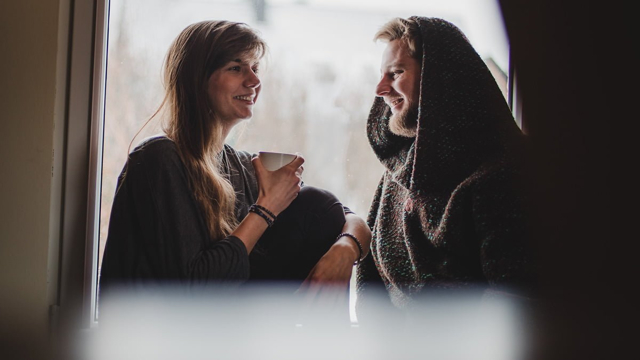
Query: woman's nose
[{"x": 252, "y": 80}]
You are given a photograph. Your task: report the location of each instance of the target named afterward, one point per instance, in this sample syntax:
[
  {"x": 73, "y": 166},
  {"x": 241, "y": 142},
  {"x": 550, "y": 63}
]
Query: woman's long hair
[{"x": 194, "y": 55}]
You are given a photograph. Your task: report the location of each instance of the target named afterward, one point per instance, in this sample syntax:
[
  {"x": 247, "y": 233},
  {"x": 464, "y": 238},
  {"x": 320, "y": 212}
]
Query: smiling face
[
  {"x": 233, "y": 89},
  {"x": 400, "y": 87}
]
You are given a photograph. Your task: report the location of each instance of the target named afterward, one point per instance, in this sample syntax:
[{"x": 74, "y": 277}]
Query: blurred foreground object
[{"x": 267, "y": 322}]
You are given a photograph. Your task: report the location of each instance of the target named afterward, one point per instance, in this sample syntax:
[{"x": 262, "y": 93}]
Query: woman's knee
[
  {"x": 316, "y": 200},
  {"x": 317, "y": 203}
]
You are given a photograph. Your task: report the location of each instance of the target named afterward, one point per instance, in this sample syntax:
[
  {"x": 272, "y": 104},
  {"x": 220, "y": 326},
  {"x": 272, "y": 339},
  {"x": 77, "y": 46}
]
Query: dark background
[{"x": 573, "y": 60}]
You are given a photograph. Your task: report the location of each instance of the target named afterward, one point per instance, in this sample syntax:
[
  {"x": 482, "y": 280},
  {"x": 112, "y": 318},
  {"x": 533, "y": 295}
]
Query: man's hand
[{"x": 328, "y": 282}]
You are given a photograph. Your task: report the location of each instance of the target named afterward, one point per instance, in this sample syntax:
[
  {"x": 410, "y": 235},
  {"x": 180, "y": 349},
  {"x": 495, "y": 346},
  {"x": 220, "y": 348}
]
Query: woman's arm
[
  {"x": 327, "y": 284},
  {"x": 156, "y": 230},
  {"x": 277, "y": 189},
  {"x": 336, "y": 266}
]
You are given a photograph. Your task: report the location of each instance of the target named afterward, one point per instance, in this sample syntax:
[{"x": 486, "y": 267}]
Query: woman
[{"x": 191, "y": 210}]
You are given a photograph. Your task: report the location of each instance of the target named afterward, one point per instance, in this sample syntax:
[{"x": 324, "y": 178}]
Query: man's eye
[{"x": 397, "y": 73}]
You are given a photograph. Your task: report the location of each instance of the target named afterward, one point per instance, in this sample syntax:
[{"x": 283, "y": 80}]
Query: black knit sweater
[
  {"x": 157, "y": 234},
  {"x": 449, "y": 210}
]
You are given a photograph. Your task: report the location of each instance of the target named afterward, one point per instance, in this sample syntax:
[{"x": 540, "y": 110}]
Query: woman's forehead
[{"x": 250, "y": 56}]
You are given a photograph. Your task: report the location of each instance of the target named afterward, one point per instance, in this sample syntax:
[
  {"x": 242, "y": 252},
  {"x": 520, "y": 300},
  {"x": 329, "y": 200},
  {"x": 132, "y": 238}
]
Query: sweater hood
[{"x": 463, "y": 119}]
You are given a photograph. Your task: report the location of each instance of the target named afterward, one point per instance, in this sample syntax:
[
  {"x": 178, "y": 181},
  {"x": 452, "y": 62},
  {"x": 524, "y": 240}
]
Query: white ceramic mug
[{"x": 273, "y": 161}]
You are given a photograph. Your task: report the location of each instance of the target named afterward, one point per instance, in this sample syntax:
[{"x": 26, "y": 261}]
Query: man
[{"x": 448, "y": 212}]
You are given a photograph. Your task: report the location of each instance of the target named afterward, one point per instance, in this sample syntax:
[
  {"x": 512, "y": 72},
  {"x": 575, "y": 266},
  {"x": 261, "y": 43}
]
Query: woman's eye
[
  {"x": 234, "y": 68},
  {"x": 397, "y": 73},
  {"x": 255, "y": 70}
]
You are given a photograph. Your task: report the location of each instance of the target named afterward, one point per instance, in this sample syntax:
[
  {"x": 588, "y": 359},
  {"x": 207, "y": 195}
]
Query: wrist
[
  {"x": 349, "y": 241},
  {"x": 269, "y": 205},
  {"x": 347, "y": 251}
]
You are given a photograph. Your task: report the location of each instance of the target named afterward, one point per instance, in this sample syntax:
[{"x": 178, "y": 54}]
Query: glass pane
[{"x": 318, "y": 83}]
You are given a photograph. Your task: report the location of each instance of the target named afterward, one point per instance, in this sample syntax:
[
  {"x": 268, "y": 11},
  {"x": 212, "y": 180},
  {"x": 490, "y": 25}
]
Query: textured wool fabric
[{"x": 449, "y": 210}]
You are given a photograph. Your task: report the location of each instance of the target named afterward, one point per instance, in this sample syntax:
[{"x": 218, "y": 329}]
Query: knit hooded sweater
[{"x": 449, "y": 210}]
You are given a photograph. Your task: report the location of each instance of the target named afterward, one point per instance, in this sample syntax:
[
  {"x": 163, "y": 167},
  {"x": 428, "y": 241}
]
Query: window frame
[
  {"x": 513, "y": 95},
  {"x": 81, "y": 145},
  {"x": 83, "y": 153}
]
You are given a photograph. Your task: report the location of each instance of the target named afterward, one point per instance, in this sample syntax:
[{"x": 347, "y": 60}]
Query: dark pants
[
  {"x": 301, "y": 235},
  {"x": 286, "y": 253}
]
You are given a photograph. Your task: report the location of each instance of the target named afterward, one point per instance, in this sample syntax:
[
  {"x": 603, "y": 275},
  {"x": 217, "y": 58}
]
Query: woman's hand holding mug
[{"x": 280, "y": 186}]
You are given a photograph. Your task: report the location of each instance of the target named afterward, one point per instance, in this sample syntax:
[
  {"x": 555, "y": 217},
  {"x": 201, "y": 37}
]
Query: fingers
[
  {"x": 323, "y": 298},
  {"x": 296, "y": 163},
  {"x": 277, "y": 189},
  {"x": 299, "y": 169},
  {"x": 257, "y": 164}
]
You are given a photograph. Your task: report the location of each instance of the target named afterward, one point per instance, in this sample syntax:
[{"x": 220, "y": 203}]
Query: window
[{"x": 318, "y": 83}]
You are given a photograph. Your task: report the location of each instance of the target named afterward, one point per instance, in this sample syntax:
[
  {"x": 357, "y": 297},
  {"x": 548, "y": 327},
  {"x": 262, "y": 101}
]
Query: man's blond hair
[{"x": 406, "y": 30}]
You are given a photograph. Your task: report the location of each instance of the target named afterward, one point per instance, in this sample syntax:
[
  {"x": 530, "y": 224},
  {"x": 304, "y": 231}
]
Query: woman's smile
[{"x": 249, "y": 99}]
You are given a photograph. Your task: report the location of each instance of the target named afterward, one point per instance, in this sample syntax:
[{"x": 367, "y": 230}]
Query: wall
[
  {"x": 559, "y": 49},
  {"x": 32, "y": 91}
]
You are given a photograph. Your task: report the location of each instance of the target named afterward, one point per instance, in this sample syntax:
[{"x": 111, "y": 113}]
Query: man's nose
[{"x": 383, "y": 87}]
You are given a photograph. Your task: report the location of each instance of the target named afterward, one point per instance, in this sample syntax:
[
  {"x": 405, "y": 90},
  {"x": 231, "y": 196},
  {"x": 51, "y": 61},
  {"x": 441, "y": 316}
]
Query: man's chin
[{"x": 399, "y": 126}]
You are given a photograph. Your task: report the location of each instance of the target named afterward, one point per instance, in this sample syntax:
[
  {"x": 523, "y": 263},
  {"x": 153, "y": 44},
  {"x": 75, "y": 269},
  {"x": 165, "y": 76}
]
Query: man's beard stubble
[{"x": 405, "y": 123}]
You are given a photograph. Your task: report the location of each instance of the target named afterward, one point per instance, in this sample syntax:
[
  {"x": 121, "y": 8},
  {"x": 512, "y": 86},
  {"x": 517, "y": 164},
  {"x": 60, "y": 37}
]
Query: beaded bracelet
[
  {"x": 273, "y": 216},
  {"x": 254, "y": 209},
  {"x": 360, "y": 257}
]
